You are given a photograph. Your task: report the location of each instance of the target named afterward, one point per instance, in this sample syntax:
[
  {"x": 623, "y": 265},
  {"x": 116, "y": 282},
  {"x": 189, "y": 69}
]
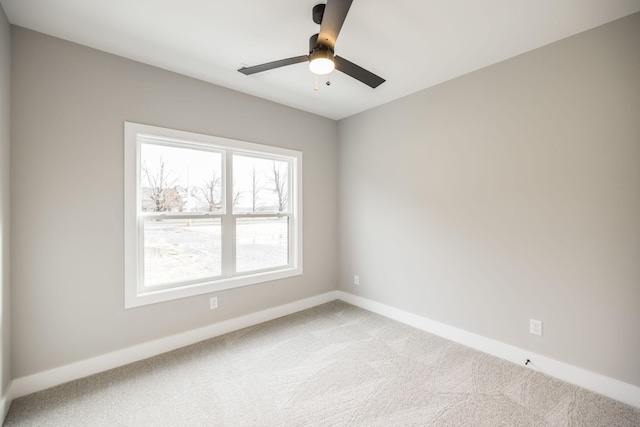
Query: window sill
[{"x": 153, "y": 296}]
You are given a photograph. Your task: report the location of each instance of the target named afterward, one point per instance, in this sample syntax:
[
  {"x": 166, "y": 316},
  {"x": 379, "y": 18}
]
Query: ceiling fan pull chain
[{"x": 316, "y": 86}]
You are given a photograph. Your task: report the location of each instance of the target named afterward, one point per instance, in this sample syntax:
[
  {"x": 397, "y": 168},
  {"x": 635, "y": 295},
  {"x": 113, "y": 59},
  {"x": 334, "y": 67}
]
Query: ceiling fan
[{"x": 321, "y": 47}]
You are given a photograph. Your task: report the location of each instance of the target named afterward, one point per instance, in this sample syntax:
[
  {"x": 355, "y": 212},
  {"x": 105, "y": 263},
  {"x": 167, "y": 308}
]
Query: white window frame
[{"x": 136, "y": 294}]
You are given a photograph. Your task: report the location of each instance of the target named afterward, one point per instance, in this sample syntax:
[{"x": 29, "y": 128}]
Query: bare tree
[
  {"x": 209, "y": 192},
  {"x": 278, "y": 180},
  {"x": 162, "y": 189},
  {"x": 236, "y": 198},
  {"x": 256, "y": 188}
]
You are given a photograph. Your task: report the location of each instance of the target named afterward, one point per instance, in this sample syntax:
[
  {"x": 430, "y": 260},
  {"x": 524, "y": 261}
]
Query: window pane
[
  {"x": 175, "y": 179},
  {"x": 260, "y": 185},
  {"x": 178, "y": 250},
  {"x": 261, "y": 243}
]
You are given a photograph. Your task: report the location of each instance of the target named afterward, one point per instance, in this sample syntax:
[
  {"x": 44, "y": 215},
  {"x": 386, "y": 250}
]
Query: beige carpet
[{"x": 333, "y": 365}]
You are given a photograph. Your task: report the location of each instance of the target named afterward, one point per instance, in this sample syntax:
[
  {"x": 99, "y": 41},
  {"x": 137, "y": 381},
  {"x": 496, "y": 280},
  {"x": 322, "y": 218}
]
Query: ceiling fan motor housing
[{"x": 314, "y": 45}]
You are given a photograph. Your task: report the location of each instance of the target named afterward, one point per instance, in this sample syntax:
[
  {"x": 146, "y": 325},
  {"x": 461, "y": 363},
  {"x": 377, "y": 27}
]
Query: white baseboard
[
  {"x": 43, "y": 380},
  {"x": 600, "y": 384},
  {"x": 5, "y": 403}
]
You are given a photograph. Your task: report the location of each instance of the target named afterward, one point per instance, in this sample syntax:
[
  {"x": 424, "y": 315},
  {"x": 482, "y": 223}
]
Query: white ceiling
[{"x": 413, "y": 44}]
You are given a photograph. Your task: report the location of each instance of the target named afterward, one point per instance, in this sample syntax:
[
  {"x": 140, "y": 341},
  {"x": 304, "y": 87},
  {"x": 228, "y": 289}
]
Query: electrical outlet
[
  {"x": 213, "y": 303},
  {"x": 535, "y": 327},
  {"x": 356, "y": 280}
]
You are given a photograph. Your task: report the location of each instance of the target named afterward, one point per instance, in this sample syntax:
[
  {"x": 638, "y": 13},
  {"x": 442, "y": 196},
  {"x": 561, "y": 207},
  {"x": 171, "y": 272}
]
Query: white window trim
[{"x": 136, "y": 296}]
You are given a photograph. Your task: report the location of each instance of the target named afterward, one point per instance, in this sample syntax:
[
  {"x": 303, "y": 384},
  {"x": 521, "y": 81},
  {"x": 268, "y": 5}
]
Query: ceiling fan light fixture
[{"x": 321, "y": 61}]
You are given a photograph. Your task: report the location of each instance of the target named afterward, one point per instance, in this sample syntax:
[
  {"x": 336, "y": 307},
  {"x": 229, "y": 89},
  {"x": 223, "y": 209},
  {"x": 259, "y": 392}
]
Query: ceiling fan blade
[
  {"x": 335, "y": 12},
  {"x": 357, "y": 72},
  {"x": 272, "y": 65}
]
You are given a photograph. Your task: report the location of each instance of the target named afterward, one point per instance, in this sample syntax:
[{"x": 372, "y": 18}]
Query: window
[{"x": 204, "y": 213}]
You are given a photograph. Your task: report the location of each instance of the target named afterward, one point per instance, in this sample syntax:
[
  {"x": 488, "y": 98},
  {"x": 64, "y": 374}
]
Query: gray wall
[
  {"x": 5, "y": 97},
  {"x": 507, "y": 194},
  {"x": 69, "y": 103}
]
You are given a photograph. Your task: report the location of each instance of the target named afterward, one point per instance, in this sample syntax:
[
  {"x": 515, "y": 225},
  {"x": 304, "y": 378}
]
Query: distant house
[{"x": 169, "y": 200}]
